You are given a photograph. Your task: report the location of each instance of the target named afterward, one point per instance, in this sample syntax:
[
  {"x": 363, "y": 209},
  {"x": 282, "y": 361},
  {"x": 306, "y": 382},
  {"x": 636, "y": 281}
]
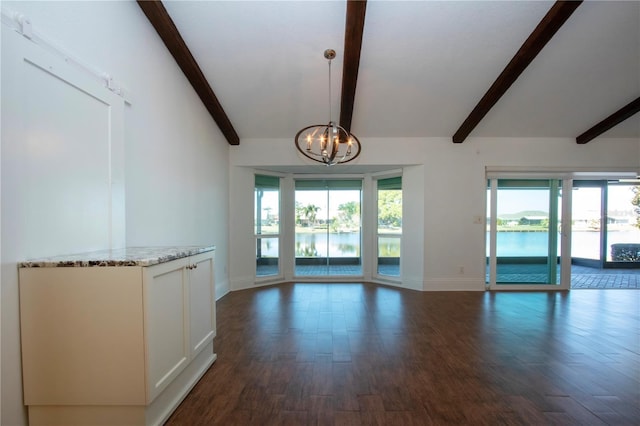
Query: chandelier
[{"x": 328, "y": 143}]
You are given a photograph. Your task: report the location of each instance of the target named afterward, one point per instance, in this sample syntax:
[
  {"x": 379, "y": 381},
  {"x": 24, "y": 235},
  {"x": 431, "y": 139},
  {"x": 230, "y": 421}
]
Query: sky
[{"x": 513, "y": 201}]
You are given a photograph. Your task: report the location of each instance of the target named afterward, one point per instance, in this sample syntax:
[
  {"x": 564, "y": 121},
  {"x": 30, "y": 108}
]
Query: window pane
[
  {"x": 389, "y": 225},
  {"x": 623, "y": 236},
  {"x": 390, "y": 211},
  {"x": 389, "y": 256},
  {"x": 267, "y": 205},
  {"x": 267, "y": 254},
  {"x": 527, "y": 242},
  {"x": 267, "y": 222},
  {"x": 586, "y": 222}
]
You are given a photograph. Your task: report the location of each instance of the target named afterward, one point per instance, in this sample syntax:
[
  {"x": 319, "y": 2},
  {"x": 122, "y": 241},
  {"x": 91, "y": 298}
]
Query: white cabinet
[
  {"x": 180, "y": 317},
  {"x": 115, "y": 344}
]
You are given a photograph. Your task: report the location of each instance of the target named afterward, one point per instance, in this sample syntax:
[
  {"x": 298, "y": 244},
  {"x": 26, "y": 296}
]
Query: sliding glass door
[
  {"x": 524, "y": 233},
  {"x": 622, "y": 239},
  {"x": 605, "y": 231},
  {"x": 328, "y": 227},
  {"x": 587, "y": 223}
]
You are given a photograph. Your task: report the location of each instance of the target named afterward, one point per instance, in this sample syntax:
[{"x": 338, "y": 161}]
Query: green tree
[
  {"x": 310, "y": 212},
  {"x": 348, "y": 216},
  {"x": 390, "y": 208}
]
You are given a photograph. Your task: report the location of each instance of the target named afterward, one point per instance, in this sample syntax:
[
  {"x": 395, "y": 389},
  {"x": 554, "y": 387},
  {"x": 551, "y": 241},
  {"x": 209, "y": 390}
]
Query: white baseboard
[
  {"x": 242, "y": 283},
  {"x": 453, "y": 284},
  {"x": 222, "y": 289}
]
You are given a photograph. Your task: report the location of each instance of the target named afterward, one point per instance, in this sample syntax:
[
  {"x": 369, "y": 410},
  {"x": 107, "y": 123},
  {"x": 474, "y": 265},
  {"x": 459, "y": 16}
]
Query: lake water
[
  {"x": 583, "y": 244},
  {"x": 339, "y": 245}
]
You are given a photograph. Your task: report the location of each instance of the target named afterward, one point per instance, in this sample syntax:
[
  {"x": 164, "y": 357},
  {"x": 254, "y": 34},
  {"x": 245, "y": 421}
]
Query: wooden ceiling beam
[
  {"x": 548, "y": 26},
  {"x": 614, "y": 119},
  {"x": 354, "y": 28},
  {"x": 168, "y": 32}
]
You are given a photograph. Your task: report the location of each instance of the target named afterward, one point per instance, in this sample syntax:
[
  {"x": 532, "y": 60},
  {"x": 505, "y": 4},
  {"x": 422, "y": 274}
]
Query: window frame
[
  {"x": 258, "y": 236},
  {"x": 376, "y": 271}
]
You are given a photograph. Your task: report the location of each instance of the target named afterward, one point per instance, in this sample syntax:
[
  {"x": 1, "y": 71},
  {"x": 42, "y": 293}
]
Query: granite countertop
[{"x": 130, "y": 256}]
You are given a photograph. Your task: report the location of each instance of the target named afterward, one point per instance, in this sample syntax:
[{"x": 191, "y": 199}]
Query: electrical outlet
[{"x": 461, "y": 270}]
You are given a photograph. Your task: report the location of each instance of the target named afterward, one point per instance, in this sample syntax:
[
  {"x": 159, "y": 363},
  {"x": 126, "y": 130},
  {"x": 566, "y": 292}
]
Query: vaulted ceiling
[{"x": 423, "y": 67}]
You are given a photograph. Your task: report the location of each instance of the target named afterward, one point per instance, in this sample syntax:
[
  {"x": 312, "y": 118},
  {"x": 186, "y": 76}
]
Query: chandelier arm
[{"x": 354, "y": 156}]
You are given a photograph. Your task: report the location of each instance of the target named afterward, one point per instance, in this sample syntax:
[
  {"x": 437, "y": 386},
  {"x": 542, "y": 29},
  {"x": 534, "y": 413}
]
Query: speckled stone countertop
[{"x": 130, "y": 256}]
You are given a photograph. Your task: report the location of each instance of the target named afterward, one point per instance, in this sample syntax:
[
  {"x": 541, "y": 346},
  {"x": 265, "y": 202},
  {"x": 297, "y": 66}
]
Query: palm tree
[{"x": 310, "y": 212}]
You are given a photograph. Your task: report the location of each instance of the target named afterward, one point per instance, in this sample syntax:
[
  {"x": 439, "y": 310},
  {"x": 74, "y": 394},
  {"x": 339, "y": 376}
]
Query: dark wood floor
[{"x": 361, "y": 354}]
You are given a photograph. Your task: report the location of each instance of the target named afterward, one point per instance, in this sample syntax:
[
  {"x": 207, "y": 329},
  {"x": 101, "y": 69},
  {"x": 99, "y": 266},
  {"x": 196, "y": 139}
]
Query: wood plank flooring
[{"x": 362, "y": 354}]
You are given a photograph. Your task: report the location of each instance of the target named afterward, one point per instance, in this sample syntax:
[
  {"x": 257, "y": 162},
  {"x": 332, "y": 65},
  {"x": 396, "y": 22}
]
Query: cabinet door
[
  {"x": 202, "y": 302},
  {"x": 166, "y": 323}
]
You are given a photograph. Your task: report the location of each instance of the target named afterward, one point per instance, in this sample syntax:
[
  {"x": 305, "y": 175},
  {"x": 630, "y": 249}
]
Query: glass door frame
[
  {"x": 565, "y": 234},
  {"x": 601, "y": 185},
  {"x": 376, "y": 266},
  {"x": 604, "y": 185},
  {"x": 258, "y": 234},
  {"x": 317, "y": 180}
]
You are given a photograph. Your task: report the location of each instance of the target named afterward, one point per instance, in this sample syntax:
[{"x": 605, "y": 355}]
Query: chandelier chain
[{"x": 329, "y": 90}]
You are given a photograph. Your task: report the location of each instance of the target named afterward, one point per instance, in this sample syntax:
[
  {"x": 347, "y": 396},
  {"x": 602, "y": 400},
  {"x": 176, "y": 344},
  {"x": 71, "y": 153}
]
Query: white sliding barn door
[{"x": 66, "y": 153}]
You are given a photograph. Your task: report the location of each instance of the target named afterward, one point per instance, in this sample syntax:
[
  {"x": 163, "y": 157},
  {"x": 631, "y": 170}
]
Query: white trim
[
  {"x": 242, "y": 283},
  {"x": 266, "y": 172},
  {"x": 389, "y": 280},
  {"x": 368, "y": 225},
  {"x": 223, "y": 285},
  {"x": 518, "y": 172},
  {"x": 269, "y": 279},
  {"x": 352, "y": 176},
  {"x": 565, "y": 234},
  {"x": 453, "y": 284},
  {"x": 386, "y": 174},
  {"x": 493, "y": 229}
]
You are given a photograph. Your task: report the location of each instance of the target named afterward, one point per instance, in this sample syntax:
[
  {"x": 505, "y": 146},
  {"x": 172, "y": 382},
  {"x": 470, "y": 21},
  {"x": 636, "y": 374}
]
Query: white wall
[
  {"x": 444, "y": 193},
  {"x": 176, "y": 160}
]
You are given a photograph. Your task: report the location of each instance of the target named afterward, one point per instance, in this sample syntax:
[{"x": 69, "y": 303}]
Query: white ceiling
[{"x": 424, "y": 65}]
